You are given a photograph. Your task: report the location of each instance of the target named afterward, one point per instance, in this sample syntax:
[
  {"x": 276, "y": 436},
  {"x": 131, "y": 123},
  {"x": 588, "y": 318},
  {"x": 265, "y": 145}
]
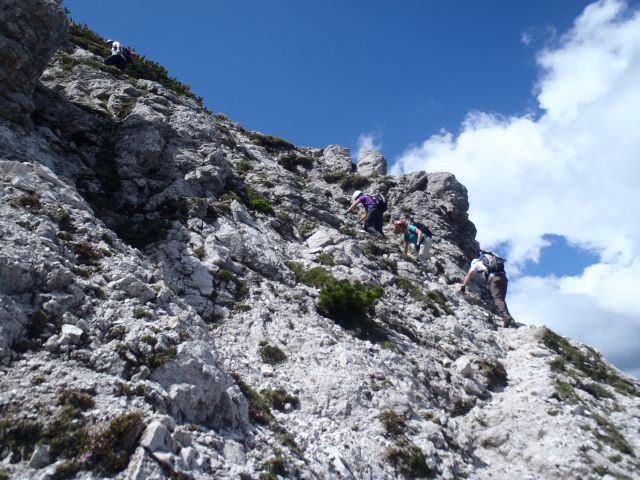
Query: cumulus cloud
[
  {"x": 571, "y": 170},
  {"x": 368, "y": 141}
]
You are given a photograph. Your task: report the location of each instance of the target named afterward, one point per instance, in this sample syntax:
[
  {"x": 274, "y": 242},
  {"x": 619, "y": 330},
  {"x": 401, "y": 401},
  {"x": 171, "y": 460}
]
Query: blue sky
[
  {"x": 533, "y": 103},
  {"x": 318, "y": 73}
]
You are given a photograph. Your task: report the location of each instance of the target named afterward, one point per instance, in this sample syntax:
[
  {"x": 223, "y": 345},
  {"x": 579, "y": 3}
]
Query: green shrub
[
  {"x": 434, "y": 300},
  {"x": 595, "y": 390},
  {"x": 608, "y": 434},
  {"x": 19, "y": 437},
  {"x": 394, "y": 423},
  {"x": 494, "y": 372},
  {"x": 112, "y": 448},
  {"x": 334, "y": 177},
  {"x": 259, "y": 410},
  {"x": 409, "y": 460},
  {"x": 325, "y": 259},
  {"x": 347, "y": 302},
  {"x": 590, "y": 363},
  {"x": 157, "y": 359},
  {"x": 68, "y": 62},
  {"x": 292, "y": 161},
  {"x": 461, "y": 407},
  {"x": 315, "y": 277},
  {"x": 388, "y": 264},
  {"x": 140, "y": 312},
  {"x": 258, "y": 203},
  {"x": 87, "y": 254},
  {"x": 274, "y": 468},
  {"x": 272, "y": 143},
  {"x": 375, "y": 251},
  {"x": 565, "y": 392},
  {"x": 63, "y": 218},
  {"x": 86, "y": 38},
  {"x": 271, "y": 354},
  {"x": 200, "y": 252},
  {"x": 229, "y": 196},
  {"x": 279, "y": 398},
  {"x": 354, "y": 182},
  {"x": 245, "y": 166},
  {"x": 77, "y": 399},
  {"x": 242, "y": 290},
  {"x": 307, "y": 228}
]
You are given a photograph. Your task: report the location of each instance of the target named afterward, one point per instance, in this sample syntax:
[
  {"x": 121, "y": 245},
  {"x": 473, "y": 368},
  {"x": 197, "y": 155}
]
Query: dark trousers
[
  {"x": 373, "y": 222},
  {"x": 498, "y": 288},
  {"x": 118, "y": 60}
]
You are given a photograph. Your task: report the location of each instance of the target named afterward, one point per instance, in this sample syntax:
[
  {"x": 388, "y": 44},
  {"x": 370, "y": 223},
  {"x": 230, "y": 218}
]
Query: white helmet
[{"x": 355, "y": 195}]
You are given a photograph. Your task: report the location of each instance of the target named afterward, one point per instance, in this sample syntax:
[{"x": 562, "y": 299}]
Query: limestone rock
[
  {"x": 145, "y": 280},
  {"x": 336, "y": 159},
  {"x": 30, "y": 31},
  {"x": 371, "y": 163}
]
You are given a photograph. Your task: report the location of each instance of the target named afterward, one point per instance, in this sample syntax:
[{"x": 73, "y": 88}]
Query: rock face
[
  {"x": 182, "y": 298},
  {"x": 30, "y": 31},
  {"x": 371, "y": 163}
]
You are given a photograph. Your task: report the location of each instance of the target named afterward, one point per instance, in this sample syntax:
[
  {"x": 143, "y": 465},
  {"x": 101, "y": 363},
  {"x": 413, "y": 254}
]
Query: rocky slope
[{"x": 181, "y": 298}]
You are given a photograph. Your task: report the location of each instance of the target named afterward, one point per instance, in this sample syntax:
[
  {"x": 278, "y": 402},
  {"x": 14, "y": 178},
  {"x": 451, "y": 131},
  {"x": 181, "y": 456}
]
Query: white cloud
[
  {"x": 572, "y": 171},
  {"x": 547, "y": 301},
  {"x": 368, "y": 141}
]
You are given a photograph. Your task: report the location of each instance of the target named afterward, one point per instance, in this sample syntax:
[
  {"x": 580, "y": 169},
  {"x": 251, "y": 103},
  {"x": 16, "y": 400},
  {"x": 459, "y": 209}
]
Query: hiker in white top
[
  {"x": 492, "y": 269},
  {"x": 117, "y": 57}
]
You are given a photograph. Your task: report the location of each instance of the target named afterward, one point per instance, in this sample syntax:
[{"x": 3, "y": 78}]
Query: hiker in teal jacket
[{"x": 412, "y": 235}]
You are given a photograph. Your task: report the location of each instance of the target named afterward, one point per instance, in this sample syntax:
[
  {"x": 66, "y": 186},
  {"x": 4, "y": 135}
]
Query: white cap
[{"x": 355, "y": 195}]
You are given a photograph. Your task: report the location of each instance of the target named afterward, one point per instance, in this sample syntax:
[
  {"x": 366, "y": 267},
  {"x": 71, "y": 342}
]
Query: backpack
[
  {"x": 381, "y": 202},
  {"x": 493, "y": 262},
  {"x": 128, "y": 54},
  {"x": 423, "y": 228}
]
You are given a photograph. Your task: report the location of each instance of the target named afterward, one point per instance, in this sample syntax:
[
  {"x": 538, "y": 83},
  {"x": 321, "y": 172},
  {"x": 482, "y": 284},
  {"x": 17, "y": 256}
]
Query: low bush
[
  {"x": 28, "y": 201},
  {"x": 394, "y": 423},
  {"x": 244, "y": 166},
  {"x": 257, "y": 202},
  {"x": 494, "y": 372},
  {"x": 334, "y": 177},
  {"x": 409, "y": 460},
  {"x": 325, "y": 259},
  {"x": 316, "y": 277},
  {"x": 589, "y": 363},
  {"x": 77, "y": 399},
  {"x": 307, "y": 228},
  {"x": 259, "y": 410},
  {"x": 354, "y": 182},
  {"x": 292, "y": 161},
  {"x": 346, "y": 302},
  {"x": 279, "y": 398},
  {"x": 87, "y": 254},
  {"x": 270, "y": 142},
  {"x": 271, "y": 354},
  {"x": 242, "y": 290}
]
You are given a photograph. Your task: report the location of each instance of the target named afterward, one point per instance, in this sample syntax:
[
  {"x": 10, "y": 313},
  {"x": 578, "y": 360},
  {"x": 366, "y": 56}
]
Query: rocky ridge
[{"x": 172, "y": 292}]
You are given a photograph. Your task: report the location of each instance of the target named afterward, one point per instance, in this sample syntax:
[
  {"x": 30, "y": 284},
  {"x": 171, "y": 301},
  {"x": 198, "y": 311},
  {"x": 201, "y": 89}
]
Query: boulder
[{"x": 371, "y": 163}]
